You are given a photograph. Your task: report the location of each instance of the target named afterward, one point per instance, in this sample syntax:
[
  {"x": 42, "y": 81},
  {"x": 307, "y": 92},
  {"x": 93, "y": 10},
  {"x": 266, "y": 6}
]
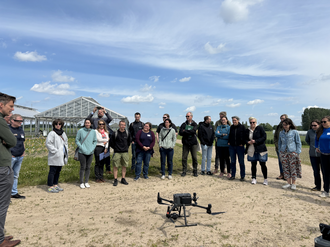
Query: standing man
[
  {"x": 101, "y": 112},
  {"x": 7, "y": 141},
  {"x": 134, "y": 127},
  {"x": 189, "y": 143},
  {"x": 206, "y": 137},
  {"x": 279, "y": 128},
  {"x": 17, "y": 152},
  {"x": 217, "y": 155},
  {"x": 120, "y": 141}
]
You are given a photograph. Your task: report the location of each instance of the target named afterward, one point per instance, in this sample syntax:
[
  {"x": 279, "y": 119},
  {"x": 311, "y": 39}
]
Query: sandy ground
[{"x": 103, "y": 215}]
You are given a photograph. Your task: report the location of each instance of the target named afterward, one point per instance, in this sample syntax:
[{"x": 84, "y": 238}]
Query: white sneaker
[
  {"x": 265, "y": 182},
  {"x": 170, "y": 177},
  {"x": 254, "y": 181},
  {"x": 82, "y": 186},
  {"x": 287, "y": 186},
  {"x": 162, "y": 177},
  {"x": 324, "y": 194},
  {"x": 293, "y": 187},
  {"x": 87, "y": 185}
]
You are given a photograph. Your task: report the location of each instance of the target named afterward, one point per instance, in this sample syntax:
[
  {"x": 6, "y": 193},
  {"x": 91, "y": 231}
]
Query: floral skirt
[{"x": 291, "y": 165}]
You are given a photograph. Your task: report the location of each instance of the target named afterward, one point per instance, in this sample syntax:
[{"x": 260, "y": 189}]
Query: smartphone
[{"x": 98, "y": 107}]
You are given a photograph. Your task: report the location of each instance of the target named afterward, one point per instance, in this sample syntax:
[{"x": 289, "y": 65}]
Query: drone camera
[{"x": 182, "y": 199}]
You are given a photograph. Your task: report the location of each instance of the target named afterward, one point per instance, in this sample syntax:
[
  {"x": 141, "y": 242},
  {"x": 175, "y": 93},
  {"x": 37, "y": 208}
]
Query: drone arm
[{"x": 208, "y": 208}]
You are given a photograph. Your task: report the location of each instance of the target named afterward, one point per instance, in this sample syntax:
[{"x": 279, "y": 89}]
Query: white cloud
[
  {"x": 175, "y": 80},
  {"x": 233, "y": 105},
  {"x": 147, "y": 88},
  {"x": 21, "y": 97},
  {"x": 291, "y": 116},
  {"x": 276, "y": 84},
  {"x": 273, "y": 114},
  {"x": 47, "y": 98},
  {"x": 138, "y": 99},
  {"x": 58, "y": 77},
  {"x": 214, "y": 50},
  {"x": 162, "y": 103},
  {"x": 184, "y": 79},
  {"x": 104, "y": 95},
  {"x": 191, "y": 108},
  {"x": 161, "y": 107},
  {"x": 32, "y": 56},
  {"x": 3, "y": 44},
  {"x": 205, "y": 112},
  {"x": 232, "y": 11},
  {"x": 154, "y": 78},
  {"x": 254, "y": 102},
  {"x": 46, "y": 87}
]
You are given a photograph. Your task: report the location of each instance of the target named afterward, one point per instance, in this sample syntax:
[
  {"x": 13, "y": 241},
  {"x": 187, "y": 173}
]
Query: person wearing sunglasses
[
  {"x": 102, "y": 136},
  {"x": 17, "y": 152},
  {"x": 57, "y": 145},
  {"x": 189, "y": 143},
  {"x": 289, "y": 147},
  {"x": 314, "y": 156},
  {"x": 256, "y": 150},
  {"x": 322, "y": 142}
]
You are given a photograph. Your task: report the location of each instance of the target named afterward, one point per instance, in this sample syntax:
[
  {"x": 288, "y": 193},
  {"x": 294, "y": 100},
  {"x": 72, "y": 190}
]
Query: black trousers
[
  {"x": 99, "y": 164},
  {"x": 254, "y": 169},
  {"x": 223, "y": 154},
  {"x": 325, "y": 166}
]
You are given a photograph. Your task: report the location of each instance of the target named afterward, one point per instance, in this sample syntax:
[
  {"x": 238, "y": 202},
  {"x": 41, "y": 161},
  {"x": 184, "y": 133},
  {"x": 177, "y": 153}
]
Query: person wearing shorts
[{"x": 120, "y": 142}]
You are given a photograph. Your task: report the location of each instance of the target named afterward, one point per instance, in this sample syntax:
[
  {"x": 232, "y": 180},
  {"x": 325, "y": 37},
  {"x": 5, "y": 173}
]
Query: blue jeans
[
  {"x": 206, "y": 155},
  {"x": 316, "y": 164},
  {"x": 239, "y": 151},
  {"x": 133, "y": 155},
  {"x": 145, "y": 157},
  {"x": 166, "y": 153},
  {"x": 16, "y": 163},
  {"x": 279, "y": 162}
]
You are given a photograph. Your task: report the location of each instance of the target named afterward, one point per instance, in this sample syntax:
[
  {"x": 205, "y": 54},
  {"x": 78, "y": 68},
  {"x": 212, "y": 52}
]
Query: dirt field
[{"x": 103, "y": 215}]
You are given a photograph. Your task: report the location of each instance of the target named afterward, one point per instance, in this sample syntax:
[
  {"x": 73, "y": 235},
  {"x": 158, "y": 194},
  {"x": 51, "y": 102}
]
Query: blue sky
[{"x": 256, "y": 58}]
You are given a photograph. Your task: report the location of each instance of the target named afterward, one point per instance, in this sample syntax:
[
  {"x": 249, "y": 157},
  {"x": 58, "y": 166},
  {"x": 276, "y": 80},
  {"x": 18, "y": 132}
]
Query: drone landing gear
[{"x": 174, "y": 216}]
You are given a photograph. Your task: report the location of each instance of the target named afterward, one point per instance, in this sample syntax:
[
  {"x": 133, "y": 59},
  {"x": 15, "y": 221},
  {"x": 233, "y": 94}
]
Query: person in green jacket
[
  {"x": 86, "y": 141},
  {"x": 7, "y": 141}
]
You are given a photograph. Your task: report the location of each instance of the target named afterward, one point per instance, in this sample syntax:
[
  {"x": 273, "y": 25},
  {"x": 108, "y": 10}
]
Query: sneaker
[
  {"x": 136, "y": 178},
  {"x": 293, "y": 187},
  {"x": 52, "y": 190},
  {"x": 324, "y": 194},
  {"x": 315, "y": 189},
  {"x": 195, "y": 174},
  {"x": 87, "y": 185},
  {"x": 287, "y": 186},
  {"x": 242, "y": 179},
  {"x": 254, "y": 181},
  {"x": 146, "y": 177},
  {"x": 82, "y": 186},
  {"x": 18, "y": 196},
  {"x": 183, "y": 174},
  {"x": 209, "y": 173},
  {"x": 265, "y": 182},
  {"x": 231, "y": 178},
  {"x": 202, "y": 172},
  {"x": 169, "y": 177},
  {"x": 115, "y": 182},
  {"x": 162, "y": 177},
  {"x": 58, "y": 188},
  {"x": 123, "y": 181}
]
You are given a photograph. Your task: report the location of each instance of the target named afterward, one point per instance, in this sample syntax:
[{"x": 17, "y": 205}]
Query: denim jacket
[{"x": 289, "y": 140}]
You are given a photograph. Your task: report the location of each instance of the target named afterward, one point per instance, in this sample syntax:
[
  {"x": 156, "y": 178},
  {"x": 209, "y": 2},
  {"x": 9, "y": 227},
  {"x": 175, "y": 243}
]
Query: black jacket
[
  {"x": 206, "y": 134},
  {"x": 237, "y": 135},
  {"x": 260, "y": 136},
  {"x": 120, "y": 142},
  {"x": 19, "y": 149},
  {"x": 134, "y": 127},
  {"x": 188, "y": 133}
]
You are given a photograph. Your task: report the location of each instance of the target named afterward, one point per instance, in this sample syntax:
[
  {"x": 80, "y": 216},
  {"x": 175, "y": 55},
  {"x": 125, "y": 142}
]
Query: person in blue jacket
[
  {"x": 86, "y": 141},
  {"x": 322, "y": 144},
  {"x": 222, "y": 134}
]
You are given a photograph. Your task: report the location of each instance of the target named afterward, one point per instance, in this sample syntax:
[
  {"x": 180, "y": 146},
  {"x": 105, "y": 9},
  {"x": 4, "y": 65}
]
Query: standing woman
[
  {"x": 86, "y": 142},
  {"x": 322, "y": 144},
  {"x": 57, "y": 145},
  {"x": 167, "y": 139},
  {"x": 222, "y": 134},
  {"x": 314, "y": 156},
  {"x": 289, "y": 146},
  {"x": 255, "y": 137},
  {"x": 145, "y": 140},
  {"x": 102, "y": 136}
]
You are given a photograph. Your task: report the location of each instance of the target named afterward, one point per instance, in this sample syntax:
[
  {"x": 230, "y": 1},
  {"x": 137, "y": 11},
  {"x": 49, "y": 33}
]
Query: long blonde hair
[{"x": 105, "y": 127}]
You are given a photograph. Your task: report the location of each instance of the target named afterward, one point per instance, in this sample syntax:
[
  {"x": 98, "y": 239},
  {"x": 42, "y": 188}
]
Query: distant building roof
[{"x": 25, "y": 112}]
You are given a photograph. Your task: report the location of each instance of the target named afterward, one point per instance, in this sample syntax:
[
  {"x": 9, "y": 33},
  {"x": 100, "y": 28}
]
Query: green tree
[{"x": 311, "y": 114}]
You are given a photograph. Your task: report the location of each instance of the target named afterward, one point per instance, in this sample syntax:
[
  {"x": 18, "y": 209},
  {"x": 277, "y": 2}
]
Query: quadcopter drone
[{"x": 181, "y": 201}]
